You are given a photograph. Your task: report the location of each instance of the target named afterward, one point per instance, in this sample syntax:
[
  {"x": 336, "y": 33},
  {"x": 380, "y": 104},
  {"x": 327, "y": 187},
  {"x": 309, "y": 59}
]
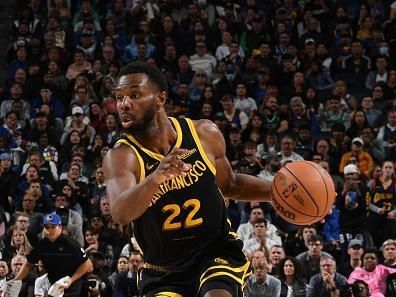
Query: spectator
[
  {"x": 276, "y": 255},
  {"x": 42, "y": 124},
  {"x": 29, "y": 204},
  {"x": 69, "y": 261},
  {"x": 273, "y": 119},
  {"x": 365, "y": 161},
  {"x": 19, "y": 245},
  {"x": 351, "y": 203},
  {"x": 4, "y": 270},
  {"x": 389, "y": 252},
  {"x": 373, "y": 273},
  {"x": 382, "y": 208},
  {"x": 242, "y": 101},
  {"x": 261, "y": 283},
  {"x": 348, "y": 101},
  {"x": 334, "y": 114},
  {"x": 80, "y": 64},
  {"x": 71, "y": 219},
  {"x": 259, "y": 241},
  {"x": 8, "y": 182},
  {"x": 122, "y": 267},
  {"x": 47, "y": 169},
  {"x": 16, "y": 94},
  {"x": 373, "y": 115},
  {"x": 234, "y": 149},
  {"x": 380, "y": 74},
  {"x": 311, "y": 259},
  {"x": 202, "y": 60},
  {"x": 358, "y": 123},
  {"x": 387, "y": 134},
  {"x": 355, "y": 252},
  {"x": 126, "y": 282},
  {"x": 245, "y": 231},
  {"x": 327, "y": 282},
  {"x": 91, "y": 244},
  {"x": 288, "y": 145},
  {"x": 292, "y": 282},
  {"x": 17, "y": 264},
  {"x": 271, "y": 168}
]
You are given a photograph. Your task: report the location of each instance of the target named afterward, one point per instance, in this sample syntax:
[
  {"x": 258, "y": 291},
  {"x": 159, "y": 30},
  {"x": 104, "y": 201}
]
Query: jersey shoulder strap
[
  {"x": 198, "y": 144},
  {"x": 126, "y": 141}
]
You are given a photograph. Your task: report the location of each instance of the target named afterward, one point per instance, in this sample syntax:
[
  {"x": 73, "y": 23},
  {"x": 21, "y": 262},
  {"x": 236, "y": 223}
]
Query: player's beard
[{"x": 142, "y": 125}]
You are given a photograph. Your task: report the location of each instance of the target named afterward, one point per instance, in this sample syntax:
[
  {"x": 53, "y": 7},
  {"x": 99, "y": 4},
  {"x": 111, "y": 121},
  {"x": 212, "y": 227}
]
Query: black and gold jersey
[
  {"x": 381, "y": 197},
  {"x": 186, "y": 214}
]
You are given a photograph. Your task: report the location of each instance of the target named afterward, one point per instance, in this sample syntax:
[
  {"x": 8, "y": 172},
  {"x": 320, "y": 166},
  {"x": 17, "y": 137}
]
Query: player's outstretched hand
[{"x": 171, "y": 166}]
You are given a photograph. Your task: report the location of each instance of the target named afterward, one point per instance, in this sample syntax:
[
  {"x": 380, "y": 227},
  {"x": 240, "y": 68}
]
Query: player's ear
[{"x": 161, "y": 98}]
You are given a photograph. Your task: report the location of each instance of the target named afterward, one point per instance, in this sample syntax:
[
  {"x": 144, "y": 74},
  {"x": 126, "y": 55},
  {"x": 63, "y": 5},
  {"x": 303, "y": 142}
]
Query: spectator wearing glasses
[
  {"x": 261, "y": 283},
  {"x": 288, "y": 145},
  {"x": 29, "y": 203},
  {"x": 22, "y": 222},
  {"x": 327, "y": 282},
  {"x": 311, "y": 259},
  {"x": 202, "y": 60},
  {"x": 61, "y": 256}
]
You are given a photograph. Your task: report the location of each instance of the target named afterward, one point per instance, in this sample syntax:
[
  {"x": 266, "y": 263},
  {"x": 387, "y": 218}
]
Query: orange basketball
[{"x": 302, "y": 192}]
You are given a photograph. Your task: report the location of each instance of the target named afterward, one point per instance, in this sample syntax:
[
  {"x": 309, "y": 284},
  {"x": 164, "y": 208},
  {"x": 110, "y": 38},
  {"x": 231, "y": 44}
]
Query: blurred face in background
[{"x": 288, "y": 268}]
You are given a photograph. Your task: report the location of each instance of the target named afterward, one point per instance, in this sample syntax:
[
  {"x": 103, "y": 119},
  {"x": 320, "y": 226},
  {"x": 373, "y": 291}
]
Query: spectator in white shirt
[
  {"x": 202, "y": 60},
  {"x": 242, "y": 101}
]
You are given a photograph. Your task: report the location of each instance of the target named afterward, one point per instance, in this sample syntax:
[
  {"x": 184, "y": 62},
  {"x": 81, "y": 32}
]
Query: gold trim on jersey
[
  {"x": 138, "y": 156},
  {"x": 199, "y": 145},
  {"x": 243, "y": 268},
  {"x": 239, "y": 274},
  {"x": 221, "y": 273},
  {"x": 167, "y": 294},
  {"x": 152, "y": 154}
]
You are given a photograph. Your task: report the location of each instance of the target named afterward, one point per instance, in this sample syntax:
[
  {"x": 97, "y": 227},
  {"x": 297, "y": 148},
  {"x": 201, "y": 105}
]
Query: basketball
[{"x": 302, "y": 192}]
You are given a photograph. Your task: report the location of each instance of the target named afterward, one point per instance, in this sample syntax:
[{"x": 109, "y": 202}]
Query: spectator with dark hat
[
  {"x": 355, "y": 252},
  {"x": 60, "y": 255}
]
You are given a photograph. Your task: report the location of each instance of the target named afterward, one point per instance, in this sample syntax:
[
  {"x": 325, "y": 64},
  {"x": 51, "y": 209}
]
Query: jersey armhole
[
  {"x": 200, "y": 148},
  {"x": 142, "y": 171}
]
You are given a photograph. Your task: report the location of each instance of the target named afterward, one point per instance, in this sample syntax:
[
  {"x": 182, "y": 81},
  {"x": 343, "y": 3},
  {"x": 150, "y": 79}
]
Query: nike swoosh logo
[{"x": 149, "y": 167}]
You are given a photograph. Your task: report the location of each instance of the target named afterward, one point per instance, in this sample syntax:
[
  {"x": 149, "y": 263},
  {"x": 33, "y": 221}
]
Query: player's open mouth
[{"x": 126, "y": 121}]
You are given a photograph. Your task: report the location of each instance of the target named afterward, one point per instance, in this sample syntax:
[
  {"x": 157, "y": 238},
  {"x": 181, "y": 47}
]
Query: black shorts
[{"x": 221, "y": 266}]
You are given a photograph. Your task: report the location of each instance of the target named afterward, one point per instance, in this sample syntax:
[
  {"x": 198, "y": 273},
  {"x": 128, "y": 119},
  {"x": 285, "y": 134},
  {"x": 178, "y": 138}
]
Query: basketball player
[{"x": 170, "y": 176}]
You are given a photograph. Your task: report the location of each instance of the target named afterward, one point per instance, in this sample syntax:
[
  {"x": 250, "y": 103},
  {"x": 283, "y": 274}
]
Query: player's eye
[
  {"x": 135, "y": 95},
  {"x": 119, "y": 98}
]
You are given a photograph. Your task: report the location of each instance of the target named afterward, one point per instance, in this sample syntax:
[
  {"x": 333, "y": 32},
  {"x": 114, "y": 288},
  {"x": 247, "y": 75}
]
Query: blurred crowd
[{"x": 284, "y": 80}]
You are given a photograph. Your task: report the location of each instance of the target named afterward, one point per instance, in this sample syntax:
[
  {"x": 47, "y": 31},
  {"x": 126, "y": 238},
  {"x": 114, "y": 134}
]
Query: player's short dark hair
[{"x": 153, "y": 72}]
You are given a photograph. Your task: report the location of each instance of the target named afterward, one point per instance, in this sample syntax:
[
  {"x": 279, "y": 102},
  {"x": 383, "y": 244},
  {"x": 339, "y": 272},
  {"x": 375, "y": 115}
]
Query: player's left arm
[{"x": 233, "y": 185}]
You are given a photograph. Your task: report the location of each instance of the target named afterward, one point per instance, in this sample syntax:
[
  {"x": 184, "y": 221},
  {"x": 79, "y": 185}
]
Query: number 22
[{"x": 174, "y": 210}]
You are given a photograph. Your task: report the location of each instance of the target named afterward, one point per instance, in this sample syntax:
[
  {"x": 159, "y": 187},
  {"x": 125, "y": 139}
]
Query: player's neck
[{"x": 160, "y": 137}]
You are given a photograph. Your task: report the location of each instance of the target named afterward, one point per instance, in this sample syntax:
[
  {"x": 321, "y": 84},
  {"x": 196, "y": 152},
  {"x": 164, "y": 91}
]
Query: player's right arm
[{"x": 129, "y": 197}]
